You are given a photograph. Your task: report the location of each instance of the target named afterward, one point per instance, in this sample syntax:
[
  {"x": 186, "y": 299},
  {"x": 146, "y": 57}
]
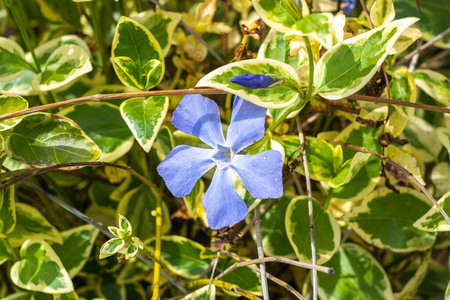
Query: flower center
[{"x": 223, "y": 156}]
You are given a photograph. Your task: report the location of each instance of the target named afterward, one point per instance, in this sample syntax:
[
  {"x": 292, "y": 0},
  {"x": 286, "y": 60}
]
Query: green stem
[
  {"x": 176, "y": 78},
  {"x": 11, "y": 250},
  {"x": 150, "y": 256},
  {"x": 284, "y": 116},
  {"x": 156, "y": 271},
  {"x": 23, "y": 31},
  {"x": 311, "y": 68},
  {"x": 228, "y": 101},
  {"x": 138, "y": 5}
]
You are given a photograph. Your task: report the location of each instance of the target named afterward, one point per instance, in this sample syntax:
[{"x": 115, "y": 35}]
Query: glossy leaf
[
  {"x": 161, "y": 24},
  {"x": 41, "y": 140},
  {"x": 280, "y": 15},
  {"x": 12, "y": 60},
  {"x": 144, "y": 117},
  {"x": 136, "y": 55},
  {"x": 111, "y": 247},
  {"x": 274, "y": 97},
  {"x": 406, "y": 160},
  {"x": 354, "y": 267},
  {"x": 297, "y": 229},
  {"x": 104, "y": 124},
  {"x": 200, "y": 294},
  {"x": 7, "y": 211},
  {"x": 409, "y": 36},
  {"x": 433, "y": 17},
  {"x": 64, "y": 65},
  {"x": 318, "y": 26},
  {"x": 385, "y": 220},
  {"x": 436, "y": 85},
  {"x": 382, "y": 12},
  {"x": 137, "y": 205},
  {"x": 60, "y": 11},
  {"x": 349, "y": 170},
  {"x": 20, "y": 85},
  {"x": 76, "y": 247},
  {"x": 40, "y": 269},
  {"x": 30, "y": 223},
  {"x": 403, "y": 88},
  {"x": 433, "y": 221},
  {"x": 349, "y": 65},
  {"x": 8, "y": 104},
  {"x": 5, "y": 251}
]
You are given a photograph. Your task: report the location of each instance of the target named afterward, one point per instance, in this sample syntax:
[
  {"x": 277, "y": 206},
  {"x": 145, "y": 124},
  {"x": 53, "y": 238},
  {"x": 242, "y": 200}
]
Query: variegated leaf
[
  {"x": 318, "y": 26},
  {"x": 382, "y": 12},
  {"x": 435, "y": 84},
  {"x": 433, "y": 221},
  {"x": 8, "y": 104},
  {"x": 281, "y": 15}
]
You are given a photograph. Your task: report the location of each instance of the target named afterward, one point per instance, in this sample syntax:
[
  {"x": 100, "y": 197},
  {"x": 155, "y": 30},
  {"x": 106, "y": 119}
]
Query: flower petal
[
  {"x": 261, "y": 173},
  {"x": 221, "y": 201},
  {"x": 247, "y": 124},
  {"x": 183, "y": 167},
  {"x": 199, "y": 116}
]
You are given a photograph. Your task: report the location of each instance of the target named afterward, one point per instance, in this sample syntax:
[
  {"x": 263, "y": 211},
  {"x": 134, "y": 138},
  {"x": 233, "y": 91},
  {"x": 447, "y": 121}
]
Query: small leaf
[
  {"x": 297, "y": 229},
  {"x": 12, "y": 60},
  {"x": 7, "y": 211},
  {"x": 318, "y": 26},
  {"x": 354, "y": 267},
  {"x": 125, "y": 225},
  {"x": 406, "y": 160},
  {"x": 111, "y": 247},
  {"x": 349, "y": 65},
  {"x": 349, "y": 170},
  {"x": 120, "y": 233},
  {"x": 385, "y": 220},
  {"x": 8, "y": 104},
  {"x": 403, "y": 88},
  {"x": 200, "y": 294},
  {"x": 382, "y": 12},
  {"x": 76, "y": 247},
  {"x": 104, "y": 124},
  {"x": 436, "y": 85},
  {"x": 30, "y": 223},
  {"x": 274, "y": 97},
  {"x": 278, "y": 14},
  {"x": 43, "y": 139},
  {"x": 136, "y": 55},
  {"x": 433, "y": 221},
  {"x": 409, "y": 36},
  {"x": 144, "y": 117},
  {"x": 40, "y": 269}
]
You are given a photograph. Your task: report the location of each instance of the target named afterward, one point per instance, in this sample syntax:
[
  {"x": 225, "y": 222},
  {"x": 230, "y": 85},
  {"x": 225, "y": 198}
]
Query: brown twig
[
  {"x": 396, "y": 165},
  {"x": 310, "y": 206}
]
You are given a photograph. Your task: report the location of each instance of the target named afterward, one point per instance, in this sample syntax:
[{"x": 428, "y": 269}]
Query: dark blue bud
[{"x": 255, "y": 81}]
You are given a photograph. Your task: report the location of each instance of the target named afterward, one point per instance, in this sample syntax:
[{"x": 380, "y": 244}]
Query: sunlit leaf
[
  {"x": 40, "y": 269},
  {"x": 318, "y": 26},
  {"x": 433, "y": 221},
  {"x": 12, "y": 60},
  {"x": 349, "y": 65},
  {"x": 403, "y": 88},
  {"x": 278, "y": 14},
  {"x": 436, "y": 85},
  {"x": 43, "y": 139},
  {"x": 61, "y": 11},
  {"x": 200, "y": 294},
  {"x": 7, "y": 211},
  {"x": 382, "y": 12},
  {"x": 8, "y": 104}
]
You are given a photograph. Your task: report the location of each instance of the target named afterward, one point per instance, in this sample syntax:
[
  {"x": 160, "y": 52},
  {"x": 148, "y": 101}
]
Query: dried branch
[
  {"x": 399, "y": 167},
  {"x": 310, "y": 206},
  {"x": 262, "y": 265}
]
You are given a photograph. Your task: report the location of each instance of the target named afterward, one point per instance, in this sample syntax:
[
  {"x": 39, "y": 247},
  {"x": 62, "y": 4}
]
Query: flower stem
[
  {"x": 157, "y": 249},
  {"x": 311, "y": 68},
  {"x": 18, "y": 19}
]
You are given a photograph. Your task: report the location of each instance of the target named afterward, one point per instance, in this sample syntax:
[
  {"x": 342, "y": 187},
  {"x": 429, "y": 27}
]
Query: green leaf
[
  {"x": 433, "y": 221},
  {"x": 124, "y": 225},
  {"x": 44, "y": 139},
  {"x": 443, "y": 134},
  {"x": 5, "y": 251},
  {"x": 422, "y": 136},
  {"x": 144, "y": 117},
  {"x": 136, "y": 55},
  {"x": 408, "y": 37},
  {"x": 109, "y": 289},
  {"x": 193, "y": 200},
  {"x": 30, "y": 223},
  {"x": 137, "y": 206},
  {"x": 433, "y": 17},
  {"x": 320, "y": 157},
  {"x": 64, "y": 65},
  {"x": 318, "y": 26},
  {"x": 40, "y": 269},
  {"x": 20, "y": 85},
  {"x": 8, "y": 104},
  {"x": 66, "y": 296},
  {"x": 274, "y": 236},
  {"x": 7, "y": 211},
  {"x": 357, "y": 276},
  {"x": 436, "y": 85},
  {"x": 349, "y": 65},
  {"x": 274, "y": 97},
  {"x": 76, "y": 247},
  {"x": 44, "y": 51},
  {"x": 61, "y": 11},
  {"x": 278, "y": 14},
  {"x": 161, "y": 24},
  {"x": 382, "y": 12},
  {"x": 349, "y": 170},
  {"x": 12, "y": 60},
  {"x": 414, "y": 275},
  {"x": 439, "y": 177},
  {"x": 385, "y": 219},
  {"x": 184, "y": 257},
  {"x": 276, "y": 47},
  {"x": 406, "y": 160},
  {"x": 403, "y": 88},
  {"x": 104, "y": 124},
  {"x": 297, "y": 229},
  {"x": 111, "y": 247},
  {"x": 200, "y": 294}
]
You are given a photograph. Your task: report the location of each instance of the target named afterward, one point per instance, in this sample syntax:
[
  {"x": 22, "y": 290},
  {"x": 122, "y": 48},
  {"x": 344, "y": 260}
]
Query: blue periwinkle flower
[
  {"x": 260, "y": 173},
  {"x": 255, "y": 81},
  {"x": 348, "y": 10}
]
